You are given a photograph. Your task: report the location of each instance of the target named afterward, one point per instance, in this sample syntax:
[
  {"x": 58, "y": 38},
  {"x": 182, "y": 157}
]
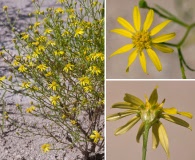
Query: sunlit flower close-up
[
  {"x": 149, "y": 113},
  {"x": 142, "y": 38}
]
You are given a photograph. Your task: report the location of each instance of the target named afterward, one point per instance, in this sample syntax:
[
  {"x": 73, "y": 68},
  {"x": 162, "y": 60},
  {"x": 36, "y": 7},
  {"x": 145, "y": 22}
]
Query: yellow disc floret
[{"x": 142, "y": 40}]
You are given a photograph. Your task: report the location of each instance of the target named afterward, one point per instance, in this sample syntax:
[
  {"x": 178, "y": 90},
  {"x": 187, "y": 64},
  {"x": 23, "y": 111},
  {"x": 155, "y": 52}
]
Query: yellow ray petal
[
  {"x": 155, "y": 136},
  {"x": 154, "y": 59},
  {"x": 142, "y": 60},
  {"x": 163, "y": 38},
  {"x": 125, "y": 105},
  {"x": 123, "y": 49},
  {"x": 170, "y": 110},
  {"x": 119, "y": 115},
  {"x": 163, "y": 138},
  {"x": 126, "y": 24},
  {"x": 127, "y": 126},
  {"x": 136, "y": 18},
  {"x": 122, "y": 32},
  {"x": 159, "y": 27},
  {"x": 186, "y": 114},
  {"x": 133, "y": 99},
  {"x": 176, "y": 120},
  {"x": 163, "y": 48},
  {"x": 149, "y": 20},
  {"x": 140, "y": 132},
  {"x": 131, "y": 59}
]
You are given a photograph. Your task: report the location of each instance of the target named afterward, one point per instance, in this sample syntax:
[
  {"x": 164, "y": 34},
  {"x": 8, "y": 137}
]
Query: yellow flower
[
  {"x": 2, "y": 78},
  {"x": 61, "y": 1},
  {"x": 54, "y": 99},
  {"x": 68, "y": 67},
  {"x": 53, "y": 85},
  {"x": 79, "y": 31},
  {"x": 42, "y": 67},
  {"x": 24, "y": 36},
  {"x": 63, "y": 116},
  {"x": 30, "y": 109},
  {"x": 6, "y": 116},
  {"x": 142, "y": 39},
  {"x": 96, "y": 56},
  {"x": 150, "y": 113},
  {"x": 46, "y": 147},
  {"x": 22, "y": 68},
  {"x": 73, "y": 122},
  {"x": 25, "y": 85},
  {"x": 48, "y": 30},
  {"x": 94, "y": 70},
  {"x": 87, "y": 88},
  {"x": 52, "y": 43},
  {"x": 96, "y": 136},
  {"x": 41, "y": 48},
  {"x": 58, "y": 53},
  {"x": 48, "y": 74},
  {"x": 5, "y": 8},
  {"x": 84, "y": 80},
  {"x": 36, "y": 24},
  {"x": 59, "y": 10}
]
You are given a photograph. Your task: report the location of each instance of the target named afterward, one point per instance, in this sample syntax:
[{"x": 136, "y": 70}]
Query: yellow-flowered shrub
[{"x": 60, "y": 62}]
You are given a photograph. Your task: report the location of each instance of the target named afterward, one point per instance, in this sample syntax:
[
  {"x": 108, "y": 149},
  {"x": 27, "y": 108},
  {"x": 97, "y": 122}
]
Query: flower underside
[{"x": 150, "y": 113}]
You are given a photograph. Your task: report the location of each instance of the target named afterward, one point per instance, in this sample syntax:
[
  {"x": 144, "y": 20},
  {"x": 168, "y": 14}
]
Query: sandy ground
[{"x": 12, "y": 146}]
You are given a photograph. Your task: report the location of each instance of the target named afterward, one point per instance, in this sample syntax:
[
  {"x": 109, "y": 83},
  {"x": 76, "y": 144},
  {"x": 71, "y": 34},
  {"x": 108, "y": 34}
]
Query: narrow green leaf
[
  {"x": 127, "y": 126},
  {"x": 133, "y": 100}
]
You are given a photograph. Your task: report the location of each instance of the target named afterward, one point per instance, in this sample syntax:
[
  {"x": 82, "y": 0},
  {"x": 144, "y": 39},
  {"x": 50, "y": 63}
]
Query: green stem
[
  {"x": 181, "y": 63},
  {"x": 145, "y": 139}
]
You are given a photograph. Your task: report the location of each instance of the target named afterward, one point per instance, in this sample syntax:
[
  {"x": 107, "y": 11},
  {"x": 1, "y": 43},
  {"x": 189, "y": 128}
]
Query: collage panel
[
  {"x": 149, "y": 39},
  {"x": 164, "y": 107},
  {"x": 52, "y": 80}
]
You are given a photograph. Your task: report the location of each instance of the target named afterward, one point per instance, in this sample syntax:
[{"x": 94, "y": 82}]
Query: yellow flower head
[
  {"x": 46, "y": 147},
  {"x": 149, "y": 112},
  {"x": 48, "y": 30},
  {"x": 54, "y": 99},
  {"x": 68, "y": 67},
  {"x": 30, "y": 109},
  {"x": 5, "y": 8},
  {"x": 142, "y": 39},
  {"x": 36, "y": 24},
  {"x": 59, "y": 10},
  {"x": 94, "y": 70},
  {"x": 84, "y": 80},
  {"x": 53, "y": 85},
  {"x": 22, "y": 68},
  {"x": 2, "y": 78},
  {"x": 42, "y": 67},
  {"x": 73, "y": 122},
  {"x": 25, "y": 85},
  {"x": 96, "y": 136},
  {"x": 79, "y": 31}
]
